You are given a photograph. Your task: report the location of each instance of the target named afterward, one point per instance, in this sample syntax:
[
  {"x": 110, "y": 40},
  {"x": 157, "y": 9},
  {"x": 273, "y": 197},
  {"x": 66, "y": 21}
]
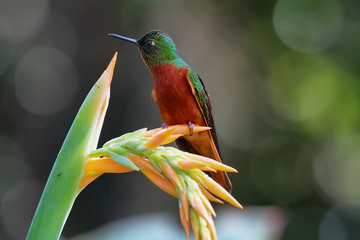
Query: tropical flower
[{"x": 178, "y": 173}]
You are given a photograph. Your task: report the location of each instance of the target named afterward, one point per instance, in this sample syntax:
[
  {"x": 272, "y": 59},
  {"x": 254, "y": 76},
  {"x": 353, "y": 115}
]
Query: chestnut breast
[{"x": 174, "y": 96}]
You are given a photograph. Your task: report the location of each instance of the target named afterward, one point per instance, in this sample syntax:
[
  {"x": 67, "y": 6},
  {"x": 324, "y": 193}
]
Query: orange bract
[
  {"x": 160, "y": 181},
  {"x": 178, "y": 173}
]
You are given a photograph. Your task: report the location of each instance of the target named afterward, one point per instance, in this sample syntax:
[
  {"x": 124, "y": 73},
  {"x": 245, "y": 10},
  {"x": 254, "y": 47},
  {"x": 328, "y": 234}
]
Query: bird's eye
[{"x": 149, "y": 43}]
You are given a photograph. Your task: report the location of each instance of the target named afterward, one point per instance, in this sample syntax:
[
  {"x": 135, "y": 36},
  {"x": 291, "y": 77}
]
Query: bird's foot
[
  {"x": 191, "y": 128},
  {"x": 164, "y": 125}
]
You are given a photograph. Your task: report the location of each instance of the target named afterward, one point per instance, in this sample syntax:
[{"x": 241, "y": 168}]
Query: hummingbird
[{"x": 181, "y": 96}]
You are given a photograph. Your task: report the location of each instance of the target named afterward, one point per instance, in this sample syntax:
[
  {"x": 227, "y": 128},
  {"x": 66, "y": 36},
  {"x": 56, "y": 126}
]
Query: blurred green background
[{"x": 284, "y": 78}]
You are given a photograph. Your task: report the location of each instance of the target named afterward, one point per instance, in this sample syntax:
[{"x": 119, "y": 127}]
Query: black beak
[{"x": 125, "y": 38}]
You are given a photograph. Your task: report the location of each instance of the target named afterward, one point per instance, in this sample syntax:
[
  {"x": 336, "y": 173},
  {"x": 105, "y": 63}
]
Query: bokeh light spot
[
  {"x": 46, "y": 81},
  {"x": 301, "y": 86},
  {"x": 341, "y": 222},
  {"x": 337, "y": 169},
  {"x": 308, "y": 26},
  {"x": 255, "y": 223},
  {"x": 21, "y": 19},
  {"x": 315, "y": 91},
  {"x": 331, "y": 228}
]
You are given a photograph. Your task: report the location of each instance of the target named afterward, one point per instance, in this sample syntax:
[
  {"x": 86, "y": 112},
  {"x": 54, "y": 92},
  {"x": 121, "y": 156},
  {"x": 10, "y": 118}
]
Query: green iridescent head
[{"x": 155, "y": 47}]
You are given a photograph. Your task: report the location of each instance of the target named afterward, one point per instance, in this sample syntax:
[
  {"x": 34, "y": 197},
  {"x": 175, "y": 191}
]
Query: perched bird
[{"x": 181, "y": 96}]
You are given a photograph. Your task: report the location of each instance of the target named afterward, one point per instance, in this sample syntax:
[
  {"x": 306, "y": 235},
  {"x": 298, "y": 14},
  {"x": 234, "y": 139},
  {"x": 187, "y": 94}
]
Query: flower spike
[{"x": 178, "y": 173}]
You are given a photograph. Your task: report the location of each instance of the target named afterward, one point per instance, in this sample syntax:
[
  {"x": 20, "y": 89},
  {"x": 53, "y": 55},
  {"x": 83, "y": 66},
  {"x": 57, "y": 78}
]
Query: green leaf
[{"x": 62, "y": 186}]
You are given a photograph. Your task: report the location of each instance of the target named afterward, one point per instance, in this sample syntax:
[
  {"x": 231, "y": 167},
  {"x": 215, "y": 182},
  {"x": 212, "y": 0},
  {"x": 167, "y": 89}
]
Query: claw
[
  {"x": 164, "y": 125},
  {"x": 191, "y": 128}
]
